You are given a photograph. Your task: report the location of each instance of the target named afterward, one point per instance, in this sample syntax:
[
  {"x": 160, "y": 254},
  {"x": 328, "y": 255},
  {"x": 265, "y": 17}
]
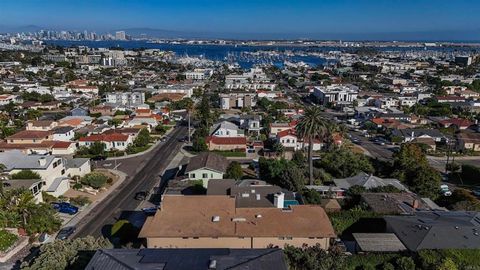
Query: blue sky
[{"x": 248, "y": 16}]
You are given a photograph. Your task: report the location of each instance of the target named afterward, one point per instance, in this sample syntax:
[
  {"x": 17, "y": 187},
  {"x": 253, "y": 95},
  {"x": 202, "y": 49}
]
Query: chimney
[
  {"x": 42, "y": 161},
  {"x": 415, "y": 204},
  {"x": 279, "y": 199}
]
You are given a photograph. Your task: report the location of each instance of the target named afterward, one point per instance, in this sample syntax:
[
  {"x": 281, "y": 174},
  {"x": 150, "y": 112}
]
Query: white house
[
  {"x": 112, "y": 141},
  {"x": 206, "y": 166},
  {"x": 63, "y": 134},
  {"x": 226, "y": 129},
  {"x": 50, "y": 168},
  {"x": 335, "y": 93}
]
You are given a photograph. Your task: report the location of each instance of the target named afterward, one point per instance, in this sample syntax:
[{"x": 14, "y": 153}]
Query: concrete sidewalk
[{"x": 81, "y": 214}]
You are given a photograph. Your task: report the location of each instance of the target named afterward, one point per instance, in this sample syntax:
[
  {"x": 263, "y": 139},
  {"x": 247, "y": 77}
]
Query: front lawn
[{"x": 230, "y": 153}]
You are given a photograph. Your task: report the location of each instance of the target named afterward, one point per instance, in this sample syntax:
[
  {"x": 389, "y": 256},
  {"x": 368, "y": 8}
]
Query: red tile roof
[
  {"x": 459, "y": 122},
  {"x": 30, "y": 134},
  {"x": 288, "y": 132},
  {"x": 60, "y": 144},
  {"x": 115, "y": 137},
  {"x": 226, "y": 140}
]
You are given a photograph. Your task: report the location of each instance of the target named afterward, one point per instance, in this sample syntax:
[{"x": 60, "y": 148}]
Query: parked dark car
[
  {"x": 150, "y": 210},
  {"x": 141, "y": 195},
  {"x": 64, "y": 207},
  {"x": 65, "y": 233},
  {"x": 99, "y": 158}
]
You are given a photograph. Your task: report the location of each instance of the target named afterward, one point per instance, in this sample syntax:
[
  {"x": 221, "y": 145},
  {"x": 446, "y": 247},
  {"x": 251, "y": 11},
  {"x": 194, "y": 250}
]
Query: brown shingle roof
[
  {"x": 208, "y": 160},
  {"x": 191, "y": 216}
]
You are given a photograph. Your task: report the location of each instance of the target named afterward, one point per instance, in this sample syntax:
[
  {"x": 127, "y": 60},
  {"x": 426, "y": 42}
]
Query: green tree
[
  {"x": 312, "y": 125},
  {"x": 69, "y": 254},
  {"x": 199, "y": 144},
  {"x": 342, "y": 162},
  {"x": 26, "y": 174},
  {"x": 412, "y": 168},
  {"x": 97, "y": 149},
  {"x": 405, "y": 263},
  {"x": 234, "y": 171},
  {"x": 33, "y": 114},
  {"x": 143, "y": 138}
]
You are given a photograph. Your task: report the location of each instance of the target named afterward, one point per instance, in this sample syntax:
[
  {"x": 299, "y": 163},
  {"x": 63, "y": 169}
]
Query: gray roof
[
  {"x": 378, "y": 242},
  {"x": 23, "y": 183},
  {"x": 75, "y": 162},
  {"x": 248, "y": 193},
  {"x": 186, "y": 259},
  {"x": 393, "y": 203},
  {"x": 56, "y": 183},
  {"x": 226, "y": 125},
  {"x": 62, "y": 130},
  {"x": 208, "y": 160},
  {"x": 417, "y": 132},
  {"x": 437, "y": 230},
  {"x": 16, "y": 159},
  {"x": 368, "y": 181}
]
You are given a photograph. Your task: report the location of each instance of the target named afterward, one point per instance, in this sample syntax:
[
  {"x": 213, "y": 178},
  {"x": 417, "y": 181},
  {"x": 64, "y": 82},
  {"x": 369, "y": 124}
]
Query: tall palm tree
[{"x": 312, "y": 125}]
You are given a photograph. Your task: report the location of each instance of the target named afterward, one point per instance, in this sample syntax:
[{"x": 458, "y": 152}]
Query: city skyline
[{"x": 346, "y": 19}]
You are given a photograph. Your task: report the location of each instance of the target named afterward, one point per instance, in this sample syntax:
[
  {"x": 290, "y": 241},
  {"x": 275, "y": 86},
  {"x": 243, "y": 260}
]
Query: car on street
[
  {"x": 141, "y": 195},
  {"x": 64, "y": 233},
  {"x": 476, "y": 191},
  {"x": 64, "y": 207},
  {"x": 99, "y": 158},
  {"x": 149, "y": 210}
]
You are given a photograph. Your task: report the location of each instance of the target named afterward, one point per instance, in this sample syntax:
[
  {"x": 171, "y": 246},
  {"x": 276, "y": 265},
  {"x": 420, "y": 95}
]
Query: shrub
[
  {"x": 95, "y": 180},
  {"x": 77, "y": 186},
  {"x": 80, "y": 200},
  {"x": 26, "y": 174},
  {"x": 47, "y": 198},
  {"x": 7, "y": 239},
  {"x": 344, "y": 219}
]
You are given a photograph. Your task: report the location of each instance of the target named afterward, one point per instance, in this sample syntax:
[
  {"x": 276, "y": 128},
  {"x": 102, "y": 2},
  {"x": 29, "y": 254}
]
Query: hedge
[{"x": 7, "y": 240}]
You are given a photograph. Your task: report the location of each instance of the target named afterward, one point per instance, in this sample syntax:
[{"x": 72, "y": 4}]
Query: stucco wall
[{"x": 232, "y": 242}]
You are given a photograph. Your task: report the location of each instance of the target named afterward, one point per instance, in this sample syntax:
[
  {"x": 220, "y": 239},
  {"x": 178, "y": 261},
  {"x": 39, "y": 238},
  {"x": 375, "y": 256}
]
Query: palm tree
[{"x": 312, "y": 125}]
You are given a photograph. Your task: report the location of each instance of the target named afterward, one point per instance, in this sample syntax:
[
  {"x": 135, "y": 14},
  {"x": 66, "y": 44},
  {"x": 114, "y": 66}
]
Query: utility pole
[{"x": 188, "y": 126}]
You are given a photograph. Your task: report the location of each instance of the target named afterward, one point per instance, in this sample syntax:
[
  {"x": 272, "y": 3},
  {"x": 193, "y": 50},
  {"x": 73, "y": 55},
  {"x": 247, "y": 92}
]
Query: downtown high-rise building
[{"x": 120, "y": 35}]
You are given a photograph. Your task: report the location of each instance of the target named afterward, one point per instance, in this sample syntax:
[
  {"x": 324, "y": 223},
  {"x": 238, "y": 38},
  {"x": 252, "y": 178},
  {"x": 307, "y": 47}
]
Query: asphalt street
[{"x": 144, "y": 172}]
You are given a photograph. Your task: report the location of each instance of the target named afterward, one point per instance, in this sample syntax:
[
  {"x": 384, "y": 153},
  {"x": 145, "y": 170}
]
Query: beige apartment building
[{"x": 215, "y": 222}]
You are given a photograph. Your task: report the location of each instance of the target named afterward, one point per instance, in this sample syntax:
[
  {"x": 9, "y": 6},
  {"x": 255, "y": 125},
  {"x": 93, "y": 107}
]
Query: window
[
  {"x": 55, "y": 164},
  {"x": 192, "y": 175},
  {"x": 205, "y": 175},
  {"x": 195, "y": 237},
  {"x": 63, "y": 171}
]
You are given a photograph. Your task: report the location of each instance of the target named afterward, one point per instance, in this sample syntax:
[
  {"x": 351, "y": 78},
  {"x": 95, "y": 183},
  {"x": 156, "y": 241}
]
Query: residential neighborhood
[{"x": 128, "y": 151}]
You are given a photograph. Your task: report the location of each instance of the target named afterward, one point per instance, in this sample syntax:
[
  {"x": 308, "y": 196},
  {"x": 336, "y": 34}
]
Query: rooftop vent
[
  {"x": 239, "y": 219},
  {"x": 259, "y": 216},
  {"x": 258, "y": 197},
  {"x": 213, "y": 264},
  {"x": 42, "y": 161},
  {"x": 245, "y": 195},
  {"x": 215, "y": 218}
]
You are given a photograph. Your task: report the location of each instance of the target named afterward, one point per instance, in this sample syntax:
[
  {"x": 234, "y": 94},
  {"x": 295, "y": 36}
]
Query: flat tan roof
[{"x": 192, "y": 216}]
